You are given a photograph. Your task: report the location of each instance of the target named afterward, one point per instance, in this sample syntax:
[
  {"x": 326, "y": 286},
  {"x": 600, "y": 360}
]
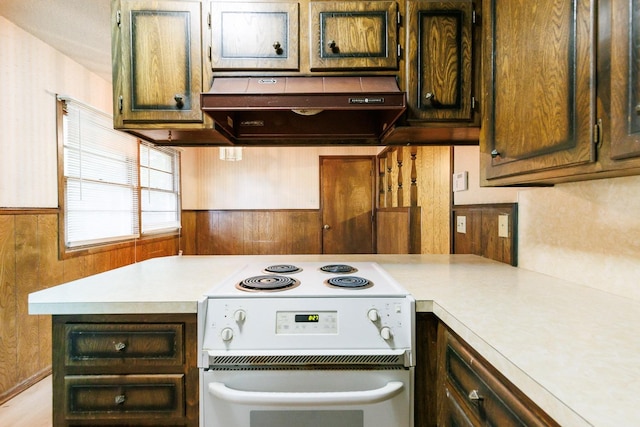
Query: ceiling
[{"x": 80, "y": 29}]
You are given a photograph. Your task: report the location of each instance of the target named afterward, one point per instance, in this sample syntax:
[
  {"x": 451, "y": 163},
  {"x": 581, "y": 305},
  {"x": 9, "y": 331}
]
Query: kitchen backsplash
[{"x": 586, "y": 232}]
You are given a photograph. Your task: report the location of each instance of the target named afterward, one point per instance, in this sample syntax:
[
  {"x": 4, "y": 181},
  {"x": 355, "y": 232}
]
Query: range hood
[{"x": 304, "y": 110}]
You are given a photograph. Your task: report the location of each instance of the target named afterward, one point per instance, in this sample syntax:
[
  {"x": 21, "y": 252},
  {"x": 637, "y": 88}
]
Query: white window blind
[
  {"x": 100, "y": 178},
  {"x": 159, "y": 188}
]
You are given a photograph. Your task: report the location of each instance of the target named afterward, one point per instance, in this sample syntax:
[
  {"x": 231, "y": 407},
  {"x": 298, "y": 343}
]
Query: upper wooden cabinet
[
  {"x": 625, "y": 77},
  {"x": 157, "y": 57},
  {"x": 254, "y": 36},
  {"x": 560, "y": 107},
  {"x": 539, "y": 82},
  {"x": 440, "y": 61},
  {"x": 353, "y": 35}
]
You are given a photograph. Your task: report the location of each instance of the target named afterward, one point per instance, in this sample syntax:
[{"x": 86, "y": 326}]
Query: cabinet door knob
[
  {"x": 494, "y": 153},
  {"x": 326, "y": 226},
  {"x": 333, "y": 46},
  {"x": 120, "y": 346},
  {"x": 431, "y": 101},
  {"x": 120, "y": 399},
  {"x": 179, "y": 100},
  {"x": 475, "y": 396},
  {"x": 638, "y": 109},
  {"x": 278, "y": 48}
]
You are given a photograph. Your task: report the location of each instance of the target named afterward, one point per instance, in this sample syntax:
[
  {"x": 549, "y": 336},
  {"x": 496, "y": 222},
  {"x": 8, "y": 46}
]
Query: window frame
[{"x": 66, "y": 252}]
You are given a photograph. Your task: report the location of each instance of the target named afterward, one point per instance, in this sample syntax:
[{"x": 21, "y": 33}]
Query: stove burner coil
[
  {"x": 350, "y": 282},
  {"x": 282, "y": 269},
  {"x": 338, "y": 268},
  {"x": 270, "y": 283}
]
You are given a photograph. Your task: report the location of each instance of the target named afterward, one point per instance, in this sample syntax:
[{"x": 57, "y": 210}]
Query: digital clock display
[{"x": 307, "y": 318}]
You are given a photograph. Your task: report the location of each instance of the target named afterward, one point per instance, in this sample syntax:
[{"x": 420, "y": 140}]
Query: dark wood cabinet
[
  {"x": 624, "y": 60},
  {"x": 125, "y": 370},
  {"x": 441, "y": 69},
  {"x": 471, "y": 392},
  {"x": 254, "y": 36},
  {"x": 353, "y": 35},
  {"x": 539, "y": 82},
  {"x": 157, "y": 54}
]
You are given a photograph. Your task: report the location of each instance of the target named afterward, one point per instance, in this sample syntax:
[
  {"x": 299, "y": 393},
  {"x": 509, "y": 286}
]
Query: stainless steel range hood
[{"x": 304, "y": 110}]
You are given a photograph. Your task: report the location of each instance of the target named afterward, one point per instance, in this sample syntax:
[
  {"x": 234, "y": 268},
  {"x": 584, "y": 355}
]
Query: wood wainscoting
[
  {"x": 29, "y": 262},
  {"x": 251, "y": 232},
  {"x": 481, "y": 235}
]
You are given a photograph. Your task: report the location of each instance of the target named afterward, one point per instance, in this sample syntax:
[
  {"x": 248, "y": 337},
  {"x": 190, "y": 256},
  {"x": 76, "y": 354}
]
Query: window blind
[
  {"x": 100, "y": 178},
  {"x": 159, "y": 188}
]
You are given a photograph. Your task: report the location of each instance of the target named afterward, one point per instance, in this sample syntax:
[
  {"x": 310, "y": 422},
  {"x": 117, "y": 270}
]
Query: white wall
[
  {"x": 265, "y": 178},
  {"x": 31, "y": 74}
]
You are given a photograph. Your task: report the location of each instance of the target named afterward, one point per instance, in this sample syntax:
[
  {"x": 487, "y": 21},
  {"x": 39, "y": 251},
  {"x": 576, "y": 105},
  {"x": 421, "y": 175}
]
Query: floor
[{"x": 31, "y": 408}]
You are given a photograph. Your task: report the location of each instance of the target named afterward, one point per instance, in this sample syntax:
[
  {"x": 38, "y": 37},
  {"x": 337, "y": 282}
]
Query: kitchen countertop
[{"x": 572, "y": 349}]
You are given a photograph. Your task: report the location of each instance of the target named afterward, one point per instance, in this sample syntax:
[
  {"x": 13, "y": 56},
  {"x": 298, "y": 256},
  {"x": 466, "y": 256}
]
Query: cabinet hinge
[
  {"x": 118, "y": 18},
  {"x": 209, "y": 53},
  {"x": 120, "y": 102},
  {"x": 473, "y": 102},
  {"x": 209, "y": 20},
  {"x": 398, "y": 18},
  {"x": 473, "y": 16},
  {"x": 399, "y": 52},
  {"x": 597, "y": 133}
]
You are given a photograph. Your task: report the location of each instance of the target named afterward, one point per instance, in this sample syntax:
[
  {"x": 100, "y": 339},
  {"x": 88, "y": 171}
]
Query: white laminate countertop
[{"x": 572, "y": 349}]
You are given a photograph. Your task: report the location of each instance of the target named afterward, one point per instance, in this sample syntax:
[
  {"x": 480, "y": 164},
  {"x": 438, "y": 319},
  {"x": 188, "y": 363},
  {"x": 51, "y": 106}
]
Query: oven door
[{"x": 307, "y": 398}]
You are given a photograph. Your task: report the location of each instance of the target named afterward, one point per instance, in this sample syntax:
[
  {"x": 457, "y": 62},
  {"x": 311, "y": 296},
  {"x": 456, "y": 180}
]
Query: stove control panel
[{"x": 241, "y": 324}]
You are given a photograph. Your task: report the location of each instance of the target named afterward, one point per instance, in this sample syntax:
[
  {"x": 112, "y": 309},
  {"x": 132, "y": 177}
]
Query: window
[
  {"x": 113, "y": 185},
  {"x": 160, "y": 188}
]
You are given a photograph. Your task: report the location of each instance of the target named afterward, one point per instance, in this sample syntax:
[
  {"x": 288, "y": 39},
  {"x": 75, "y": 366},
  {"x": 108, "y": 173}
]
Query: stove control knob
[
  {"x": 373, "y": 315},
  {"x": 240, "y": 316},
  {"x": 226, "y": 334},
  {"x": 385, "y": 333}
]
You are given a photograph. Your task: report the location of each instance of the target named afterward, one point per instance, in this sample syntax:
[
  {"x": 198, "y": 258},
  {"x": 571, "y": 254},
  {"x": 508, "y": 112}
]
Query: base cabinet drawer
[
  {"x": 471, "y": 392},
  {"x": 125, "y": 396}
]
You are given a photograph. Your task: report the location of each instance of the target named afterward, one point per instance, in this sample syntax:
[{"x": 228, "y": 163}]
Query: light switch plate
[
  {"x": 503, "y": 225},
  {"x": 461, "y": 224}
]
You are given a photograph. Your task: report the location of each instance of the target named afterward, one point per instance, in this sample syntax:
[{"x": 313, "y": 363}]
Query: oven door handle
[{"x": 326, "y": 398}]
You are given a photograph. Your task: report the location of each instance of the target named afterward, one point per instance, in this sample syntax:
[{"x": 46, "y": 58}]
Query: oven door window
[{"x": 309, "y": 418}]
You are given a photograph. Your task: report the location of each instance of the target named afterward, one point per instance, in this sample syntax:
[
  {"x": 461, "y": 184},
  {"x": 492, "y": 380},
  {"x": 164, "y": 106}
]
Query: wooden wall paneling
[
  {"x": 482, "y": 237},
  {"x": 8, "y": 318},
  {"x": 304, "y": 233},
  {"x": 433, "y": 165},
  {"x": 27, "y": 276},
  {"x": 188, "y": 233}
]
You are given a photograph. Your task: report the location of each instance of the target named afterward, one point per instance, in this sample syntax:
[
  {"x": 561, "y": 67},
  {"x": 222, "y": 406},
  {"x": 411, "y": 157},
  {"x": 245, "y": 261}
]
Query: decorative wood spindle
[
  {"x": 381, "y": 184},
  {"x": 388, "y": 199},
  {"x": 414, "y": 178},
  {"x": 399, "y": 159}
]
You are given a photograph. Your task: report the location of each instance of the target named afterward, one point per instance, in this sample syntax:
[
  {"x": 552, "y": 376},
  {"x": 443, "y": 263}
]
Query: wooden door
[{"x": 347, "y": 203}]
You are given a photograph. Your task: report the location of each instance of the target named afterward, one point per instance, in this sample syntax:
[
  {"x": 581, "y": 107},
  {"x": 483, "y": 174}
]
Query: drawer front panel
[
  {"x": 136, "y": 344},
  {"x": 130, "y": 396},
  {"x": 483, "y": 394}
]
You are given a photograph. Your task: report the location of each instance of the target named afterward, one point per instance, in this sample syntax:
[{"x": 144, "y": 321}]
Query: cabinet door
[
  {"x": 354, "y": 35},
  {"x": 440, "y": 60},
  {"x": 157, "y": 62},
  {"x": 256, "y": 36},
  {"x": 540, "y": 96},
  {"x": 625, "y": 78}
]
